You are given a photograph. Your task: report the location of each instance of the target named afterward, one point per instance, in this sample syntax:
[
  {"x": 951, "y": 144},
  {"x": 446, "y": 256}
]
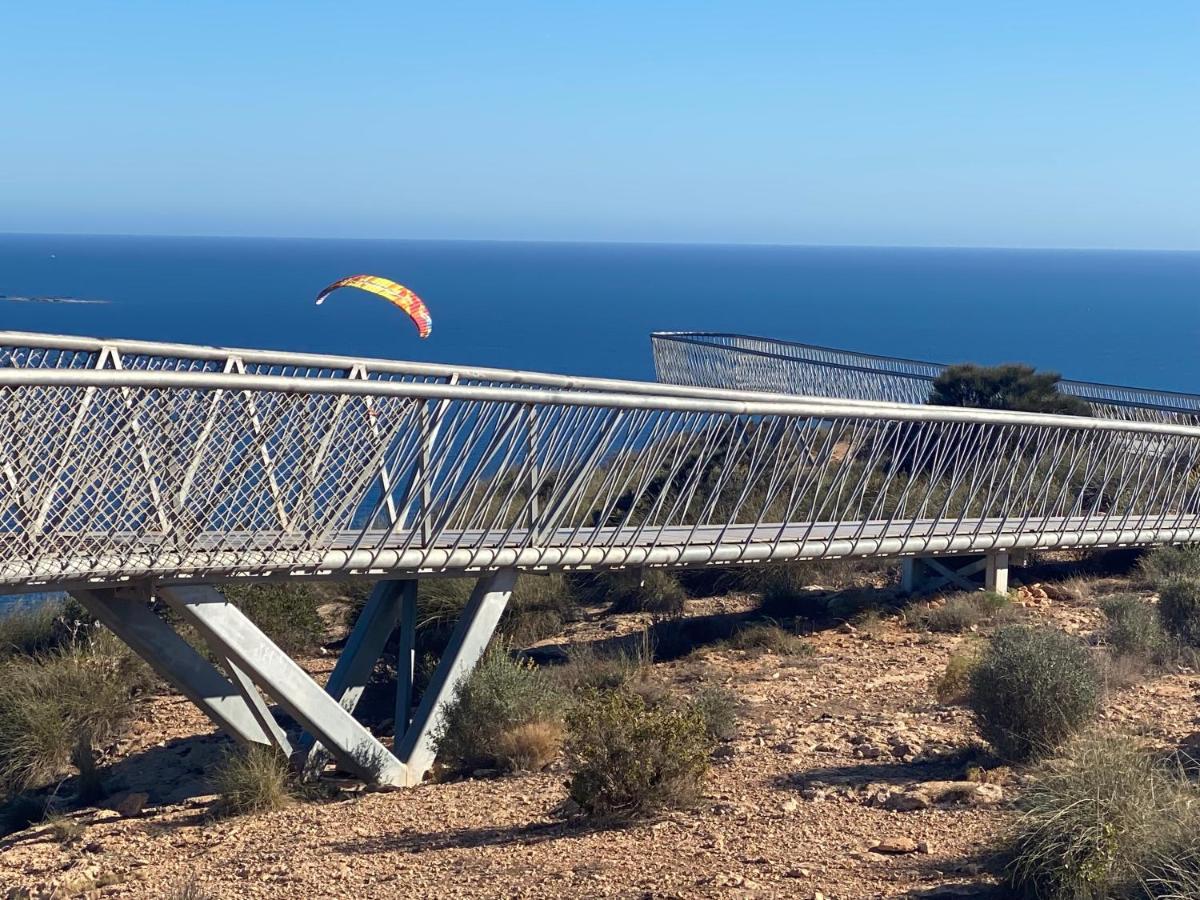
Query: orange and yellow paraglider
[{"x": 396, "y": 294}]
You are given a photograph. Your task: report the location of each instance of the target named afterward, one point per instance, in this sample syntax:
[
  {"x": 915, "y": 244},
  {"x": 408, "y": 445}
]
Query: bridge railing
[
  {"x": 736, "y": 361},
  {"x": 172, "y": 474}
]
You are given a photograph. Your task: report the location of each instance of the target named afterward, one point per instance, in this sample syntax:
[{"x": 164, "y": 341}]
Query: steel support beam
[
  {"x": 470, "y": 638},
  {"x": 364, "y": 646},
  {"x": 406, "y": 660},
  {"x": 258, "y": 708},
  {"x": 173, "y": 658},
  {"x": 280, "y": 678}
]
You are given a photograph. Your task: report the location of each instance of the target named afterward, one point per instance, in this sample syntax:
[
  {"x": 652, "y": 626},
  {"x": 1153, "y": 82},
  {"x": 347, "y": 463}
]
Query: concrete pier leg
[
  {"x": 173, "y": 658},
  {"x": 908, "y": 575},
  {"x": 280, "y": 678},
  {"x": 996, "y": 575},
  {"x": 470, "y": 638}
]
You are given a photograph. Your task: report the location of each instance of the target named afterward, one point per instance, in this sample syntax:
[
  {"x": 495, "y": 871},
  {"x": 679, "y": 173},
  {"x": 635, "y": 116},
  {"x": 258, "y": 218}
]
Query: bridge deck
[{"x": 276, "y": 554}]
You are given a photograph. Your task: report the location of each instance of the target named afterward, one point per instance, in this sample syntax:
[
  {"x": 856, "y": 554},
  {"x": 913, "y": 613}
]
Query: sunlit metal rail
[
  {"x": 130, "y": 469},
  {"x": 744, "y": 362}
]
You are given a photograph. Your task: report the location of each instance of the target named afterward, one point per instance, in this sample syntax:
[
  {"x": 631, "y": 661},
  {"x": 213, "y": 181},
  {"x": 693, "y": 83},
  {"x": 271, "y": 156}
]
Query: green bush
[
  {"x": 500, "y": 713},
  {"x": 962, "y": 612},
  {"x": 769, "y": 637},
  {"x": 286, "y": 611},
  {"x": 1106, "y": 820},
  {"x": 1135, "y": 629},
  {"x": 1161, "y": 564},
  {"x": 252, "y": 780},
  {"x": 629, "y": 759},
  {"x": 53, "y": 702},
  {"x": 718, "y": 707},
  {"x": 655, "y": 591},
  {"x": 1032, "y": 689},
  {"x": 1179, "y": 608},
  {"x": 1010, "y": 386}
]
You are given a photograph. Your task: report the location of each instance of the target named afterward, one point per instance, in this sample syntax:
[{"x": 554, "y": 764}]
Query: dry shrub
[
  {"x": 953, "y": 686},
  {"x": 1032, "y": 689},
  {"x": 655, "y": 591},
  {"x": 530, "y": 746},
  {"x": 500, "y": 696},
  {"x": 285, "y": 611},
  {"x": 1164, "y": 563},
  {"x": 589, "y": 669},
  {"x": 628, "y": 759},
  {"x": 1105, "y": 819},
  {"x": 962, "y": 612},
  {"x": 253, "y": 780},
  {"x": 718, "y": 707}
]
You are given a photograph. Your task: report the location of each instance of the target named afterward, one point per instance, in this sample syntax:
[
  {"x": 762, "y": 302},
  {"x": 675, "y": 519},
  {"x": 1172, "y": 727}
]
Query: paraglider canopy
[{"x": 396, "y": 294}]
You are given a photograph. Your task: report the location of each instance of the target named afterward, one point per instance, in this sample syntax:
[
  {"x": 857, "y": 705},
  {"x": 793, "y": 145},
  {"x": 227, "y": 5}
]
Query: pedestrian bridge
[{"x": 132, "y": 470}]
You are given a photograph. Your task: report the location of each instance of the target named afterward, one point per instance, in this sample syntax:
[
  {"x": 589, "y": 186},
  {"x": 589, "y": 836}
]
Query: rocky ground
[{"x": 847, "y": 779}]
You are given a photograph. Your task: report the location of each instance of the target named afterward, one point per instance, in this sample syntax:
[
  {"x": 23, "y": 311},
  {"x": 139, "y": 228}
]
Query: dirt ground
[{"x": 839, "y": 757}]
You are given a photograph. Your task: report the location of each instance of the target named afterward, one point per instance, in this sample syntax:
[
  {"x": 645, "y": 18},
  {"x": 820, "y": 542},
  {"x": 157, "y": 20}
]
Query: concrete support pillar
[
  {"x": 470, "y": 638},
  {"x": 996, "y": 575}
]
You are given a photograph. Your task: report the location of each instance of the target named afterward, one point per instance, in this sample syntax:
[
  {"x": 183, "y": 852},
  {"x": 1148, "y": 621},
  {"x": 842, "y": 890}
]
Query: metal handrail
[{"x": 119, "y": 465}]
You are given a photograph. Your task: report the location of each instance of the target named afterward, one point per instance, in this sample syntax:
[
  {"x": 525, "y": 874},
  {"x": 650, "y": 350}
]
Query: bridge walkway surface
[{"x": 131, "y": 471}]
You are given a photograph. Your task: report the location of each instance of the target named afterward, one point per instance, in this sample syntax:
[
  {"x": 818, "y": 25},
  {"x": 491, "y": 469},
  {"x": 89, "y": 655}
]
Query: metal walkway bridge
[{"x": 131, "y": 469}]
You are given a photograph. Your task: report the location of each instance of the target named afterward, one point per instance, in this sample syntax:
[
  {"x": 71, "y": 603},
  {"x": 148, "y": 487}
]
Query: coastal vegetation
[{"x": 1012, "y": 386}]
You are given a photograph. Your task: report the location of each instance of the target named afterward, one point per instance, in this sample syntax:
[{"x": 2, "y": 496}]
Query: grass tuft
[
  {"x": 52, "y": 703},
  {"x": 253, "y": 780},
  {"x": 770, "y": 637},
  {"x": 1106, "y": 819},
  {"x": 1134, "y": 630}
]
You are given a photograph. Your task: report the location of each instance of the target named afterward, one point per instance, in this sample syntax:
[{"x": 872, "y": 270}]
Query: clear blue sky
[{"x": 931, "y": 123}]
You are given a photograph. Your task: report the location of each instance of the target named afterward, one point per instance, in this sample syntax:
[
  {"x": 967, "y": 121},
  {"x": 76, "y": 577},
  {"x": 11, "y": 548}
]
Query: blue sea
[{"x": 1125, "y": 317}]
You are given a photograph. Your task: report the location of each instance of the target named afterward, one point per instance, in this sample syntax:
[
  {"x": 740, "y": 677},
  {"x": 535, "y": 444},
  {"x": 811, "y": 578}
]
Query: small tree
[{"x": 1010, "y": 386}]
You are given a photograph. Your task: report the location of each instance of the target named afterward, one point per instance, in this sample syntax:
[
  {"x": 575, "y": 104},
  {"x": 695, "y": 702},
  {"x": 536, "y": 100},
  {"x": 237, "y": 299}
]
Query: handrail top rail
[{"x": 794, "y": 406}]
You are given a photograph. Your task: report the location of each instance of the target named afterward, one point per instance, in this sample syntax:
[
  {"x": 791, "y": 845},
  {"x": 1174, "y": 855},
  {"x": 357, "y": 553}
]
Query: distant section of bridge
[
  {"x": 132, "y": 470},
  {"x": 740, "y": 361}
]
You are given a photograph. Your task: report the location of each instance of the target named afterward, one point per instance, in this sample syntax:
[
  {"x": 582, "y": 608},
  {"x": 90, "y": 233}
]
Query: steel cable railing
[
  {"x": 735, "y": 361},
  {"x": 194, "y": 469}
]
